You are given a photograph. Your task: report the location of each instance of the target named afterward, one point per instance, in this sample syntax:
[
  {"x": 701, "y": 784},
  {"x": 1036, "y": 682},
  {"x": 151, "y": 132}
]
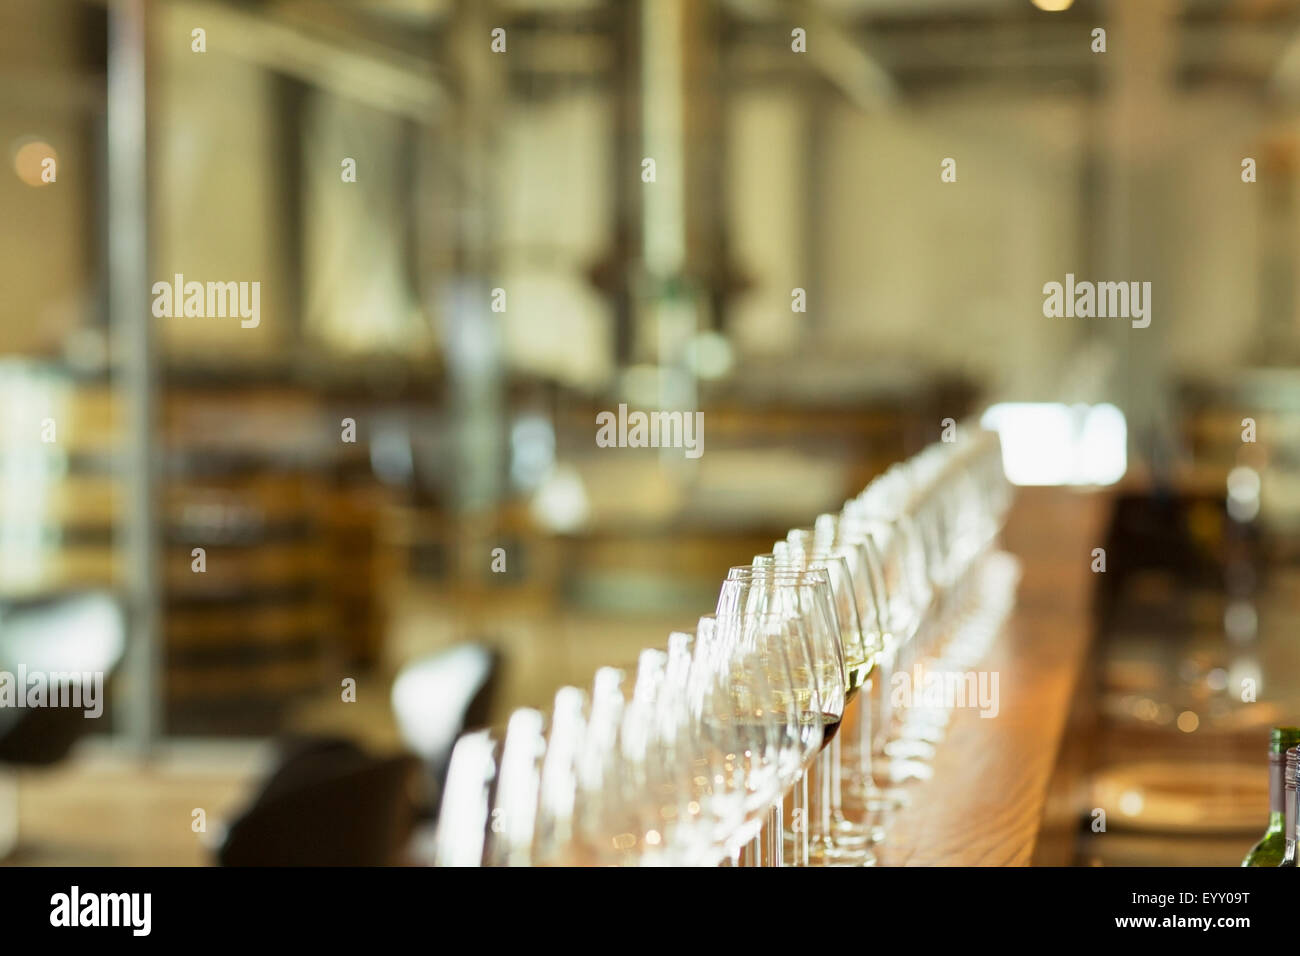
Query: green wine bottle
[
  {"x": 1271, "y": 848},
  {"x": 1292, "y": 809}
]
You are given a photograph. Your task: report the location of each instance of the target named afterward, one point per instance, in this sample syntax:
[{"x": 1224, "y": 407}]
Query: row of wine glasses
[{"x": 768, "y": 733}]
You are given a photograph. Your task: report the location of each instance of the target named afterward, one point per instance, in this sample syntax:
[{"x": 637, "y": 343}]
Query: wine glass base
[
  {"x": 910, "y": 749},
  {"x": 850, "y": 835},
  {"x": 901, "y": 771},
  {"x": 820, "y": 853},
  {"x": 842, "y": 856},
  {"x": 875, "y": 799}
]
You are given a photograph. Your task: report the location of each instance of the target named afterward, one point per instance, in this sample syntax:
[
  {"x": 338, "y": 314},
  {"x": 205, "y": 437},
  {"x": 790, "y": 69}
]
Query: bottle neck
[
  {"x": 1290, "y": 823},
  {"x": 1277, "y": 796}
]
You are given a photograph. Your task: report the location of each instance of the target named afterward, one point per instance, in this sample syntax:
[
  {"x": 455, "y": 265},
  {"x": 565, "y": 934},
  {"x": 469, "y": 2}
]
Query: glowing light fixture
[
  {"x": 560, "y": 504},
  {"x": 1050, "y": 443}
]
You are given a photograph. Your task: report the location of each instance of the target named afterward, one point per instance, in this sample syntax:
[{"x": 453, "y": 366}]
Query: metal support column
[{"x": 133, "y": 366}]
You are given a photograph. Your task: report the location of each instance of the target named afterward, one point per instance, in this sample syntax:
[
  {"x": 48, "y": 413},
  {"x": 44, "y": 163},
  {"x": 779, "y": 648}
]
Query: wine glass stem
[
  {"x": 836, "y": 754},
  {"x": 819, "y": 788},
  {"x": 853, "y": 751},
  {"x": 882, "y": 702},
  {"x": 799, "y": 822},
  {"x": 865, "y": 727},
  {"x": 773, "y": 849}
]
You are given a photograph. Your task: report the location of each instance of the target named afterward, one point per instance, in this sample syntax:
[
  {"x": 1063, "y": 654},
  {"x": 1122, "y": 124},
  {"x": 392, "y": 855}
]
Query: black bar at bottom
[{"x": 445, "y": 908}]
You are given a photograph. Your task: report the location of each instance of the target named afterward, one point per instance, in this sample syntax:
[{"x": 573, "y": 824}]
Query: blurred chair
[
  {"x": 326, "y": 803},
  {"x": 71, "y": 634},
  {"x": 438, "y": 697}
]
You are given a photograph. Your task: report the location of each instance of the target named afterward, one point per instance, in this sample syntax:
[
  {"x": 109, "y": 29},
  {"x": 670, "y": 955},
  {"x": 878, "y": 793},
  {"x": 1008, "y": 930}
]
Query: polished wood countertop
[{"x": 1007, "y": 790}]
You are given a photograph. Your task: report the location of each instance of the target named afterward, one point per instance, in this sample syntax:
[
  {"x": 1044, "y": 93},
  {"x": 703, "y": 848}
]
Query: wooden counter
[{"x": 1008, "y": 790}]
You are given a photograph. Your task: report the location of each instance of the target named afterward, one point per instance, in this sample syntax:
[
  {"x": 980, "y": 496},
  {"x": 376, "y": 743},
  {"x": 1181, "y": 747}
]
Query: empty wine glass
[
  {"x": 514, "y": 806},
  {"x": 836, "y": 838},
  {"x": 553, "y": 832},
  {"x": 639, "y": 759},
  {"x": 708, "y": 747},
  {"x": 686, "y": 784},
  {"x": 804, "y": 597},
  {"x": 856, "y": 739},
  {"x": 601, "y": 832},
  {"x": 461, "y": 837},
  {"x": 681, "y": 782},
  {"x": 783, "y": 653},
  {"x": 902, "y": 746}
]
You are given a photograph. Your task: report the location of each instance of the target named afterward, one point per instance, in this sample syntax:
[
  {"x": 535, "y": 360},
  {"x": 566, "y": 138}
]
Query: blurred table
[{"x": 106, "y": 807}]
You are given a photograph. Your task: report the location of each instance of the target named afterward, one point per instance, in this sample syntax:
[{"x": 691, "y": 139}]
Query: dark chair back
[
  {"x": 67, "y": 634},
  {"x": 327, "y": 803},
  {"x": 437, "y": 698}
]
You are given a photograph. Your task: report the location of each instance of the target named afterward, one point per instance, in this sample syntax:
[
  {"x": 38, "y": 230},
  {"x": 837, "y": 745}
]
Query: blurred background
[{"x": 437, "y": 336}]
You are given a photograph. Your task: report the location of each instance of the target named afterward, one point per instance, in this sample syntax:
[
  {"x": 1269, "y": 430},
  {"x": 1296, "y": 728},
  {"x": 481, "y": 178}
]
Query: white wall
[{"x": 941, "y": 275}]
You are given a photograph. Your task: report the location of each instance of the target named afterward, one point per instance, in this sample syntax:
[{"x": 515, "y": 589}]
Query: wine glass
[
  {"x": 553, "y": 831},
  {"x": 804, "y": 597},
  {"x": 901, "y": 747},
  {"x": 602, "y": 835},
  {"x": 834, "y": 540},
  {"x": 678, "y": 781},
  {"x": 513, "y": 815},
  {"x": 747, "y": 720},
  {"x": 687, "y": 781},
  {"x": 977, "y": 585},
  {"x": 461, "y": 836},
  {"x": 837, "y": 839},
  {"x": 779, "y": 664},
  {"x": 784, "y": 655},
  {"x": 885, "y": 598},
  {"x": 638, "y": 758},
  {"x": 697, "y": 758}
]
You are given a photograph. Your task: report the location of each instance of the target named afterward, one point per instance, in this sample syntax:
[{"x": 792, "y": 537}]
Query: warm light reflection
[
  {"x": 30, "y": 162},
  {"x": 1243, "y": 493}
]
